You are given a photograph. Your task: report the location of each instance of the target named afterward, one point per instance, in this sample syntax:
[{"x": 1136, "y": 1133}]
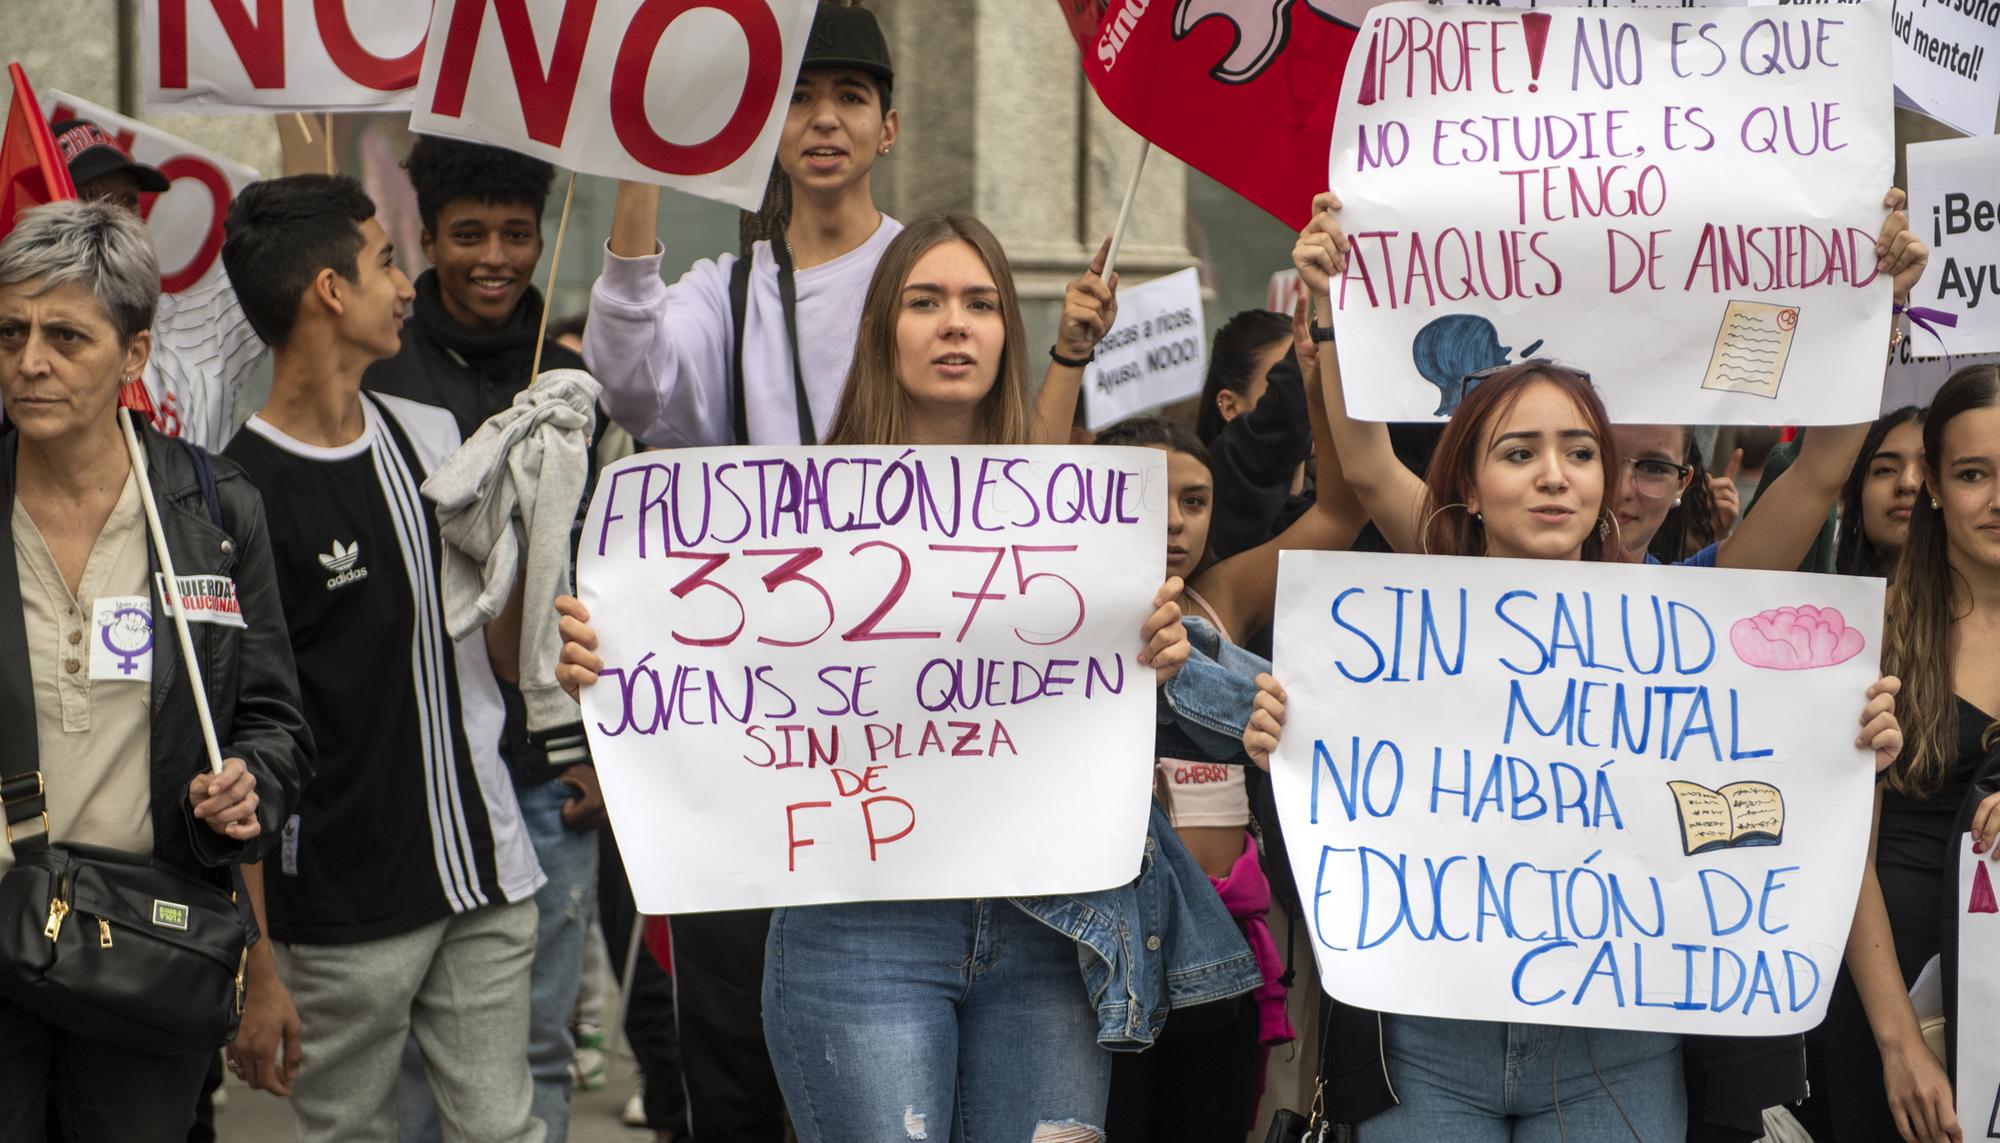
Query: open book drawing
[
  {"x": 1751, "y": 348},
  {"x": 1739, "y": 814}
]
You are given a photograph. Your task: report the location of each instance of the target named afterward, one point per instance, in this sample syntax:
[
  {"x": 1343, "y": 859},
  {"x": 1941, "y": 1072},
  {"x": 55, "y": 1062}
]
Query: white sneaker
[{"x": 635, "y": 1108}]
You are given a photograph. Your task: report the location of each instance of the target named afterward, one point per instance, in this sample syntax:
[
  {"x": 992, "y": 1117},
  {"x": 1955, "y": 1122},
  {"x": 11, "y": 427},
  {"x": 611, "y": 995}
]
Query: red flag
[
  {"x": 1242, "y": 90},
  {"x": 31, "y": 170}
]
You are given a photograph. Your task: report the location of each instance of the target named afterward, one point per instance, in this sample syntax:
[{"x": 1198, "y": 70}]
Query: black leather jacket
[{"x": 253, "y": 689}]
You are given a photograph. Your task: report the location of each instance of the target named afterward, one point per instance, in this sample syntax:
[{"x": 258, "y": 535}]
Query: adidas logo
[{"x": 340, "y": 561}]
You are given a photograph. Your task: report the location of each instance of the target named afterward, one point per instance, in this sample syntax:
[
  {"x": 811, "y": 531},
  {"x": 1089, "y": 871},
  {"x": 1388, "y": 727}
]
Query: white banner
[
  {"x": 1156, "y": 354},
  {"x": 1632, "y": 801},
  {"x": 842, "y": 674},
  {"x": 186, "y": 221},
  {"x": 1942, "y": 49},
  {"x": 1954, "y": 185},
  {"x": 236, "y": 57},
  {"x": 1685, "y": 204},
  {"x": 1914, "y": 380},
  {"x": 1978, "y": 996},
  {"x": 691, "y": 96}
]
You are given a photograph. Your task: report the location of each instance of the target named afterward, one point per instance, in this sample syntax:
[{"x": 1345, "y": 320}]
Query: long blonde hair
[
  {"x": 1923, "y": 603},
  {"x": 874, "y": 409}
]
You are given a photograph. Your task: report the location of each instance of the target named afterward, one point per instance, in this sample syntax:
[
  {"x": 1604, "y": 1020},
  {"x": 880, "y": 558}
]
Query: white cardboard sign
[
  {"x": 1978, "y": 996},
  {"x": 1955, "y": 206},
  {"x": 1587, "y": 794},
  {"x": 1663, "y": 197},
  {"x": 242, "y": 56},
  {"x": 1155, "y": 355},
  {"x": 1914, "y": 380},
  {"x": 840, "y": 674},
  {"x": 1948, "y": 62},
  {"x": 691, "y": 96},
  {"x": 187, "y": 220}
]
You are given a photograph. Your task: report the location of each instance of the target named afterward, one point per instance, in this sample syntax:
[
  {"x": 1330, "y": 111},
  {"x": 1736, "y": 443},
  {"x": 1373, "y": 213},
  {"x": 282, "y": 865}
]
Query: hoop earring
[
  {"x": 1424, "y": 535},
  {"x": 1607, "y": 525}
]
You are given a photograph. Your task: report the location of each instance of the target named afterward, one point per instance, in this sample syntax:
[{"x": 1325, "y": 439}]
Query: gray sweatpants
[{"x": 459, "y": 985}]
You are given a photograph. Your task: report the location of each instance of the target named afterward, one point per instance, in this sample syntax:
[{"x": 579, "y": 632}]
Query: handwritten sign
[
  {"x": 1684, "y": 203},
  {"x": 1632, "y": 800},
  {"x": 1154, "y": 356},
  {"x": 1978, "y": 996},
  {"x": 873, "y": 673},
  {"x": 186, "y": 221},
  {"x": 1955, "y": 207},
  {"x": 689, "y": 95},
  {"x": 1914, "y": 380},
  {"x": 234, "y": 56},
  {"x": 1948, "y": 62}
]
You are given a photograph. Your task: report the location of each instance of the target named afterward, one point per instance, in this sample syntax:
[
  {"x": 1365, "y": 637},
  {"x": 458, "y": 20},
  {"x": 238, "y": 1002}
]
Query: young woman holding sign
[
  {"x": 972, "y": 1018},
  {"x": 1528, "y": 468},
  {"x": 1943, "y": 617}
]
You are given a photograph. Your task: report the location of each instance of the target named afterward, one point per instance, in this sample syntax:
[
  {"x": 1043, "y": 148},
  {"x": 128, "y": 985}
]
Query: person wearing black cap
[
  {"x": 203, "y": 347},
  {"x": 751, "y": 351}
]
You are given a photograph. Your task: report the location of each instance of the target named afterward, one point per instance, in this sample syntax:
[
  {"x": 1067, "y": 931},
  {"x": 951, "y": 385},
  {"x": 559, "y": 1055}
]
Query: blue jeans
[
  {"x": 569, "y": 860},
  {"x": 1482, "y": 1082},
  {"x": 931, "y": 1020}
]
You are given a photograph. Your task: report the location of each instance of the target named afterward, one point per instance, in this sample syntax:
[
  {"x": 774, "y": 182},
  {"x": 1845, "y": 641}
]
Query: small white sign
[
  {"x": 1156, "y": 354},
  {"x": 1955, "y": 206},
  {"x": 121, "y": 639},
  {"x": 1948, "y": 62}
]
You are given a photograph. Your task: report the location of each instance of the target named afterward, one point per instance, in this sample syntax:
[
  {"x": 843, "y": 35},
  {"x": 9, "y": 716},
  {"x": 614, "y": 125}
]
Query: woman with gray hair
[{"x": 104, "y": 759}]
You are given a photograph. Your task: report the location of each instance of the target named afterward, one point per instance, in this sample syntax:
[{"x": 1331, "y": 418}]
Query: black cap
[
  {"x": 91, "y": 154},
  {"x": 848, "y": 37}
]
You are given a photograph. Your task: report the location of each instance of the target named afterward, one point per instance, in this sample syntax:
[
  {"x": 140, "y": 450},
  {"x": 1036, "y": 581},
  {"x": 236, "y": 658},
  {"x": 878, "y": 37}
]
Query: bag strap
[
  {"x": 788, "y": 297},
  {"x": 204, "y": 477},
  {"x": 739, "y": 298}
]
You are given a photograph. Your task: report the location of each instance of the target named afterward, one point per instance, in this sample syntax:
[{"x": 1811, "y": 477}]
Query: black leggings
[{"x": 1196, "y": 1084}]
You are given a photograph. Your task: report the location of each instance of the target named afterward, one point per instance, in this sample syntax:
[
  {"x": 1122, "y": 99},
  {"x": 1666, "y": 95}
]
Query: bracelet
[
  {"x": 1071, "y": 362},
  {"x": 1322, "y": 333}
]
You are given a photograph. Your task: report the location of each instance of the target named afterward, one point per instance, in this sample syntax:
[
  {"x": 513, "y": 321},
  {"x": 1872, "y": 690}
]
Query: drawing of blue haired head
[{"x": 1450, "y": 349}]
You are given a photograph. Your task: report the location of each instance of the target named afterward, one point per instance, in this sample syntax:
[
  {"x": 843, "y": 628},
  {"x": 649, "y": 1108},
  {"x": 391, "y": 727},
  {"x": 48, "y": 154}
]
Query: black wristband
[
  {"x": 1071, "y": 362},
  {"x": 1322, "y": 333}
]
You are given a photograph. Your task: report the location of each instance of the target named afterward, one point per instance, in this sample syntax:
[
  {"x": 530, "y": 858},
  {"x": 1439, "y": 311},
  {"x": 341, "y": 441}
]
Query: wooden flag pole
[
  {"x": 326, "y": 124},
  {"x": 304, "y": 128},
  {"x": 549, "y": 293},
  {"x": 1125, "y": 209}
]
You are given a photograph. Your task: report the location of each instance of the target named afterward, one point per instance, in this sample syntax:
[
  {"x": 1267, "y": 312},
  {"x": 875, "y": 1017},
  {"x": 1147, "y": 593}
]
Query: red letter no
[
  {"x": 635, "y": 61},
  {"x": 358, "y": 63},
  {"x": 545, "y": 98},
  {"x": 260, "y": 46}
]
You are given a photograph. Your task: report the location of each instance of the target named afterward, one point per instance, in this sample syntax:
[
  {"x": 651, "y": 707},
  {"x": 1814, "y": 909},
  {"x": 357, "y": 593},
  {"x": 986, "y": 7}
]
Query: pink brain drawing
[{"x": 1795, "y": 638}]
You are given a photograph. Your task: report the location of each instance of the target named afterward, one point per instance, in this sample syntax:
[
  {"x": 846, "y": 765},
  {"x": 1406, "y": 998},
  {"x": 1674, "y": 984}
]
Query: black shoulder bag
[
  {"x": 107, "y": 944},
  {"x": 739, "y": 308}
]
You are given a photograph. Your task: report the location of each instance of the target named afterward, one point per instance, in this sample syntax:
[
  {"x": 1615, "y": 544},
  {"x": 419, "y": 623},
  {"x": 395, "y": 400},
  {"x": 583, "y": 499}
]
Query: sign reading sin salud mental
[
  {"x": 844, "y": 674},
  {"x": 1683, "y": 202},
  {"x": 1630, "y": 801}
]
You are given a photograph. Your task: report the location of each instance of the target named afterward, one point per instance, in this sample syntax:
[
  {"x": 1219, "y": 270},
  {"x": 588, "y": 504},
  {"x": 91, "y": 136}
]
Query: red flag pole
[{"x": 1125, "y": 209}]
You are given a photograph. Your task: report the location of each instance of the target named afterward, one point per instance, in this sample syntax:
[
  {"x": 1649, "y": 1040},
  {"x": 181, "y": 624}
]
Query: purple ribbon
[{"x": 1928, "y": 320}]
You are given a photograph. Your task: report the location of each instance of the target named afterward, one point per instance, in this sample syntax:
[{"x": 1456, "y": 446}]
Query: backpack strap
[
  {"x": 739, "y": 306},
  {"x": 204, "y": 476}
]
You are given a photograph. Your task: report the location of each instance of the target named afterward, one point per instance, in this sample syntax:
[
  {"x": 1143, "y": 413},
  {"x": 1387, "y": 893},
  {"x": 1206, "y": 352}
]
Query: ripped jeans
[{"x": 931, "y": 1021}]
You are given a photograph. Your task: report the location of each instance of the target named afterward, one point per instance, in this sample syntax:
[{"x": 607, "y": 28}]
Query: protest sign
[
  {"x": 846, "y": 674},
  {"x": 682, "y": 93},
  {"x": 1155, "y": 355},
  {"x": 1684, "y": 204},
  {"x": 1955, "y": 206},
  {"x": 1632, "y": 801},
  {"x": 1942, "y": 47},
  {"x": 185, "y": 221},
  {"x": 235, "y": 57},
  {"x": 1914, "y": 380},
  {"x": 1978, "y": 996}
]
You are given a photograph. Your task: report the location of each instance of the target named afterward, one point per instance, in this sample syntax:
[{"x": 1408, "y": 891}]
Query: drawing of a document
[
  {"x": 1751, "y": 348},
  {"x": 1739, "y": 814}
]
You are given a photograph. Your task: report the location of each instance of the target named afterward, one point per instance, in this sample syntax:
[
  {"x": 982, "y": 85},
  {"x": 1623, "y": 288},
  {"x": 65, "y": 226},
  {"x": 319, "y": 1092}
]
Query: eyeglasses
[{"x": 1657, "y": 479}]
